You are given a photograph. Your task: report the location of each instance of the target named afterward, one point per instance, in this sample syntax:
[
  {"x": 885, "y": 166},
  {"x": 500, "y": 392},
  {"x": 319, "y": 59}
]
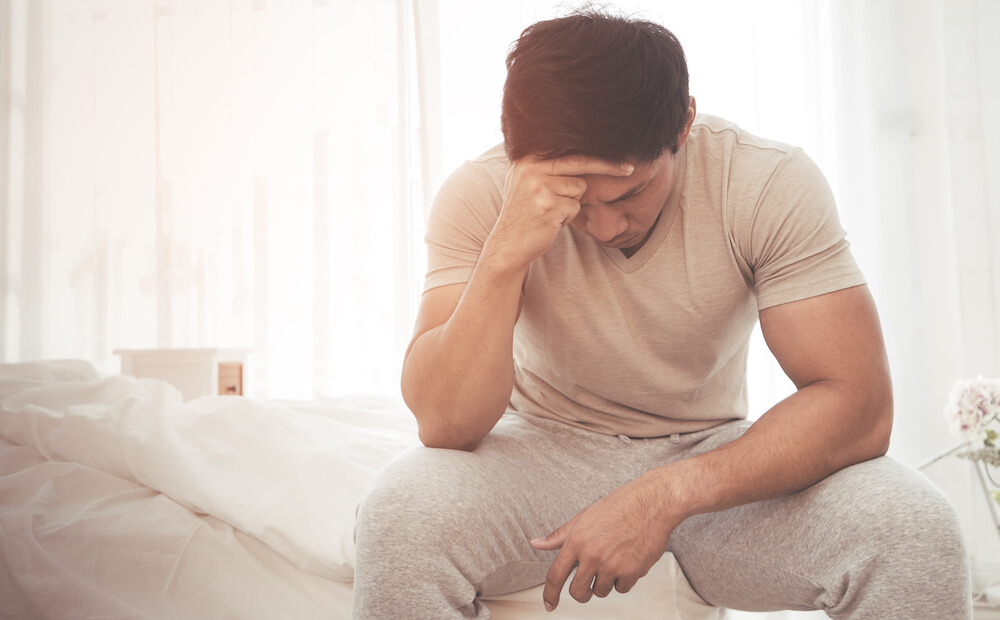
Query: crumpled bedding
[
  {"x": 78, "y": 543},
  {"x": 286, "y": 473}
]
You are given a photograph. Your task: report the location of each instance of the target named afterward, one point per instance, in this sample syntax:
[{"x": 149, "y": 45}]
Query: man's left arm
[{"x": 832, "y": 349}]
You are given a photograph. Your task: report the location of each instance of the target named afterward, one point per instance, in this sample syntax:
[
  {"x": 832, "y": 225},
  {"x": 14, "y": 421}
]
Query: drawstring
[{"x": 675, "y": 438}]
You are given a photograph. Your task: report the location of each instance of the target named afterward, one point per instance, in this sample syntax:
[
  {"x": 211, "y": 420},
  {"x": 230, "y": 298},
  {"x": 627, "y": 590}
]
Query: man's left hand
[{"x": 612, "y": 543}]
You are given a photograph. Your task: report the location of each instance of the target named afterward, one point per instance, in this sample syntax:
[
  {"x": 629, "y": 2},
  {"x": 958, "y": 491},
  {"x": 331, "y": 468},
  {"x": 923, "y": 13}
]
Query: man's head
[{"x": 598, "y": 84}]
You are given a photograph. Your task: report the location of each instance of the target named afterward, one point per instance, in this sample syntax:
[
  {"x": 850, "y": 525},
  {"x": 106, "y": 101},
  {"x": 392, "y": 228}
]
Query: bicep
[{"x": 834, "y": 337}]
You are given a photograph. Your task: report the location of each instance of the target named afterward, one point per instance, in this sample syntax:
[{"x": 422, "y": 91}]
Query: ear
[{"x": 692, "y": 111}]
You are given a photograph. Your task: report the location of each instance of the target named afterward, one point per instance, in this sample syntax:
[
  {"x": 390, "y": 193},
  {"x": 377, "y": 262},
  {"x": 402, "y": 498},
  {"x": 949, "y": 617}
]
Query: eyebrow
[{"x": 629, "y": 193}]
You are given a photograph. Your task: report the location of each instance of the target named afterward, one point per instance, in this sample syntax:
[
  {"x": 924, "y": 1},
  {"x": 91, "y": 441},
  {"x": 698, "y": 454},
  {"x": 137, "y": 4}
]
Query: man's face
[{"x": 620, "y": 211}]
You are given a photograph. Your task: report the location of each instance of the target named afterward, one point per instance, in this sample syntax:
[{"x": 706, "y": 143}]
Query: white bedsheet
[
  {"x": 278, "y": 471},
  {"x": 79, "y": 543},
  {"x": 117, "y": 500}
]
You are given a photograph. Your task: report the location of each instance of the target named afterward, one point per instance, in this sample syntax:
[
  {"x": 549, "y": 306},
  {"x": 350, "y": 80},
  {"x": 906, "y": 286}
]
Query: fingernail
[
  {"x": 535, "y": 541},
  {"x": 628, "y": 168},
  {"x": 548, "y": 606}
]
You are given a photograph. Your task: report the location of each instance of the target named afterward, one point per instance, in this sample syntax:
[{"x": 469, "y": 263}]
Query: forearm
[
  {"x": 815, "y": 432},
  {"x": 457, "y": 377},
  {"x": 459, "y": 371}
]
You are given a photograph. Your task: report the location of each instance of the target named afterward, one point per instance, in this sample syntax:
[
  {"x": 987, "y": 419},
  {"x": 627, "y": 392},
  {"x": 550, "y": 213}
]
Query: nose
[{"x": 605, "y": 223}]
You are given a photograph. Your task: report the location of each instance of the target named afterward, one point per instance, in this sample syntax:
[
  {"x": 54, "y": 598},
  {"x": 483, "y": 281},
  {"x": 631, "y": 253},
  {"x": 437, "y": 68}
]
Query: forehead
[{"x": 642, "y": 174}]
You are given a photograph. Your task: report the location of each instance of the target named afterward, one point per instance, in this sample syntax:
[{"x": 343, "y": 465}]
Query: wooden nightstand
[{"x": 194, "y": 372}]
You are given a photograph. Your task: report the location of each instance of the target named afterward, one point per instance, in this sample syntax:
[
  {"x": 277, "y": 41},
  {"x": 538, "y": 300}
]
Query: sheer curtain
[
  {"x": 922, "y": 162},
  {"x": 184, "y": 173}
]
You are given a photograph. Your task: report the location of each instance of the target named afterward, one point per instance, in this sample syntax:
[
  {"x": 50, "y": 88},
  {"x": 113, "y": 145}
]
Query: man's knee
[
  {"x": 901, "y": 509},
  {"x": 885, "y": 508},
  {"x": 411, "y": 541},
  {"x": 407, "y": 499},
  {"x": 423, "y": 505},
  {"x": 898, "y": 529},
  {"x": 923, "y": 532}
]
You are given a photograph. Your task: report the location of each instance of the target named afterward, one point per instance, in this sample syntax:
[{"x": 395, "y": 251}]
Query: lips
[{"x": 619, "y": 241}]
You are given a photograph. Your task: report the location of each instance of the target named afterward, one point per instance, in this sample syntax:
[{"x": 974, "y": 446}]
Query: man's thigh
[
  {"x": 471, "y": 514},
  {"x": 858, "y": 544}
]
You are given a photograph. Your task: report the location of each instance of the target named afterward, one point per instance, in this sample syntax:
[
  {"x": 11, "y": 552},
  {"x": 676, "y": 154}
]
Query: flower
[{"x": 972, "y": 405}]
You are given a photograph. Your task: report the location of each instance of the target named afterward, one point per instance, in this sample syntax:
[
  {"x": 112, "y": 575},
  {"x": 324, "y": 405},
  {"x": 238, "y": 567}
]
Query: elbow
[
  {"x": 882, "y": 433},
  {"x": 867, "y": 426},
  {"x": 445, "y": 441},
  {"x": 444, "y": 422},
  {"x": 879, "y": 412},
  {"x": 434, "y": 429}
]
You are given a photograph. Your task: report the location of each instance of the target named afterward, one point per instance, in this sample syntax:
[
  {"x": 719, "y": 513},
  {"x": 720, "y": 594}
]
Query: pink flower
[{"x": 972, "y": 404}]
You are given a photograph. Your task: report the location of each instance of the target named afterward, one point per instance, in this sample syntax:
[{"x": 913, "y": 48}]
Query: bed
[{"x": 120, "y": 500}]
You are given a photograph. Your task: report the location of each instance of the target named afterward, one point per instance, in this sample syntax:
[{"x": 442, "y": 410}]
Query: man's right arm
[{"x": 458, "y": 372}]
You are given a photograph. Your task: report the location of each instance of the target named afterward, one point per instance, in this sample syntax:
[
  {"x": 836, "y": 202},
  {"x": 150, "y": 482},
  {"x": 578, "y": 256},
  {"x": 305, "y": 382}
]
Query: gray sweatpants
[{"x": 438, "y": 528}]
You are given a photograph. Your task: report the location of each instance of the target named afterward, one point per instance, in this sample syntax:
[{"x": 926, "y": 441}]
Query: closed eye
[{"x": 628, "y": 196}]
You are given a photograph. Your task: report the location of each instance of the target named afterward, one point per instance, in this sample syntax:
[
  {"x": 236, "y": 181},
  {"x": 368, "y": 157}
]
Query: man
[{"x": 578, "y": 367}]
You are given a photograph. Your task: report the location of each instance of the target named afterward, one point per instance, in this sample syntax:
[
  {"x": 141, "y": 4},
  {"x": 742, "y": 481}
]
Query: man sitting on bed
[{"x": 578, "y": 367}]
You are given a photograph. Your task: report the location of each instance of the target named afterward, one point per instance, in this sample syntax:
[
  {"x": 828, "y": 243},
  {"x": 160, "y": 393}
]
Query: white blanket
[
  {"x": 78, "y": 543},
  {"x": 286, "y": 473}
]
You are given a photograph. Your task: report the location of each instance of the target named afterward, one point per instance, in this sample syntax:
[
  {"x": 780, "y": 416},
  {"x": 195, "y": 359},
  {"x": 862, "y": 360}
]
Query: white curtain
[
  {"x": 918, "y": 179},
  {"x": 256, "y": 172},
  {"x": 184, "y": 173}
]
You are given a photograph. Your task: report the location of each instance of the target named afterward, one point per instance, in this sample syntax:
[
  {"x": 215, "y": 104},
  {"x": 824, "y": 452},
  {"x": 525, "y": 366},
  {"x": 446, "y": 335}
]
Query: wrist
[
  {"x": 676, "y": 491},
  {"x": 501, "y": 259}
]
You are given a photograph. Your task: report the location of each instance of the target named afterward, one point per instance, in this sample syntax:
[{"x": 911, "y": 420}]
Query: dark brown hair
[{"x": 597, "y": 84}]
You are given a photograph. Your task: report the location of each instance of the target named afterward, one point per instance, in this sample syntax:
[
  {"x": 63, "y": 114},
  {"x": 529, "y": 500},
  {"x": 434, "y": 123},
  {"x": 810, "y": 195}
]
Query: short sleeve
[
  {"x": 792, "y": 240},
  {"x": 461, "y": 218}
]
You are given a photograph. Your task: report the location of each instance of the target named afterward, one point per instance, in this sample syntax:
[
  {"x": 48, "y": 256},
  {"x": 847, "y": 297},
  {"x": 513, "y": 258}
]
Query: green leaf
[
  {"x": 990, "y": 456},
  {"x": 991, "y": 437}
]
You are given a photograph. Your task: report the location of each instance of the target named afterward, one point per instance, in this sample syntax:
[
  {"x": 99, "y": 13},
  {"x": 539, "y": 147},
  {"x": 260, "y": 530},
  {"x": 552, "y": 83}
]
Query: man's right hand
[
  {"x": 459, "y": 370},
  {"x": 540, "y": 196}
]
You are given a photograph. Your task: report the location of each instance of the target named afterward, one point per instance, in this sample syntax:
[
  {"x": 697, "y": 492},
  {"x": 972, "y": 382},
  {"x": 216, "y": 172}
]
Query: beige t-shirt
[{"x": 657, "y": 343}]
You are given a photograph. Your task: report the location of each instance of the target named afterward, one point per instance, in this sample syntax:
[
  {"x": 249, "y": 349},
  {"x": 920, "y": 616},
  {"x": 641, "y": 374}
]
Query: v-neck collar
[{"x": 660, "y": 228}]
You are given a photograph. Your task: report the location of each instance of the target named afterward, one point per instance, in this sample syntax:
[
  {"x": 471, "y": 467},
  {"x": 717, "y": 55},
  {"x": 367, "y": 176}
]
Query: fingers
[
  {"x": 584, "y": 585},
  {"x": 576, "y": 165},
  {"x": 602, "y": 586},
  {"x": 561, "y": 185},
  {"x": 536, "y": 207},
  {"x": 552, "y": 541},
  {"x": 624, "y": 584},
  {"x": 579, "y": 588},
  {"x": 556, "y": 539},
  {"x": 565, "y": 208},
  {"x": 556, "y": 578},
  {"x": 570, "y": 187}
]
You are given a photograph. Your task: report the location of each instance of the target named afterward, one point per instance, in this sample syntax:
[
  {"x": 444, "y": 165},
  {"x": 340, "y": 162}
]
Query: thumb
[{"x": 554, "y": 540}]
